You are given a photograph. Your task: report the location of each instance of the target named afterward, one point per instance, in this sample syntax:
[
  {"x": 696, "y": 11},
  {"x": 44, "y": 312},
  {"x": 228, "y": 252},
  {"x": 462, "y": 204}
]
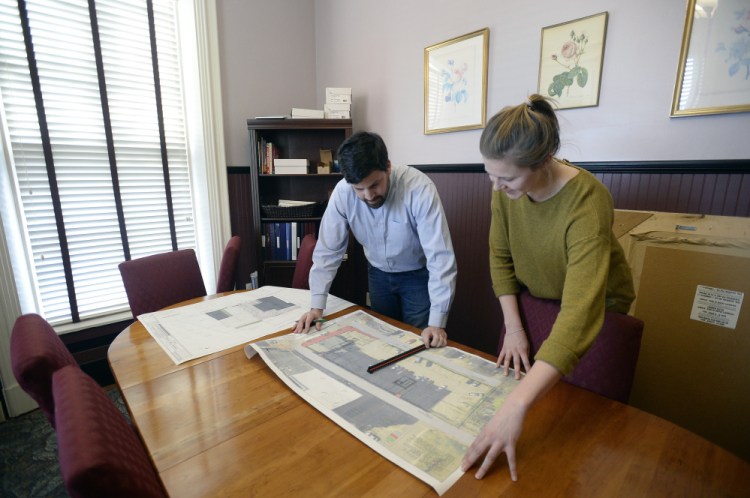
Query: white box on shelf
[
  {"x": 338, "y": 95},
  {"x": 338, "y": 115},
  {"x": 290, "y": 166},
  {"x": 291, "y": 170},
  {"x": 299, "y": 113},
  {"x": 290, "y": 162},
  {"x": 337, "y": 107}
]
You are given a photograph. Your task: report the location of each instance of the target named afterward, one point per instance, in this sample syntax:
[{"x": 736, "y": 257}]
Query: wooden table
[{"x": 223, "y": 425}]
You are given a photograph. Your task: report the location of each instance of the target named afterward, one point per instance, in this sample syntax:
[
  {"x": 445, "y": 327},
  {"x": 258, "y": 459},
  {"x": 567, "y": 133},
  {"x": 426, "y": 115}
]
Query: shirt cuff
[
  {"x": 319, "y": 301},
  {"x": 438, "y": 319}
]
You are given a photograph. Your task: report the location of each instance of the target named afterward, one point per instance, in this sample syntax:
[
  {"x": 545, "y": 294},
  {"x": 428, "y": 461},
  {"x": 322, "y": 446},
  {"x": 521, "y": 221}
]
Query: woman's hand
[
  {"x": 502, "y": 432},
  {"x": 499, "y": 436},
  {"x": 516, "y": 351}
]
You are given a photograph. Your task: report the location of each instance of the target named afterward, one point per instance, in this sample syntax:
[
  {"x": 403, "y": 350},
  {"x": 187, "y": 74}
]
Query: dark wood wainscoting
[
  {"x": 475, "y": 318},
  {"x": 699, "y": 187},
  {"x": 719, "y": 188},
  {"x": 241, "y": 221}
]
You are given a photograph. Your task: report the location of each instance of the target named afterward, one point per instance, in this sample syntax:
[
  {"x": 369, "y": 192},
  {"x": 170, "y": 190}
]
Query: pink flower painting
[{"x": 569, "y": 58}]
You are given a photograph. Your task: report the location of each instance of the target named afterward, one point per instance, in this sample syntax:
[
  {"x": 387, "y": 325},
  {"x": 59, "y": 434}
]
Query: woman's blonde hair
[{"x": 526, "y": 134}]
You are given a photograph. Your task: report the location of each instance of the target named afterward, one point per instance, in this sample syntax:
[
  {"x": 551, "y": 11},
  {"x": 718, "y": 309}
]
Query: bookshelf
[{"x": 297, "y": 139}]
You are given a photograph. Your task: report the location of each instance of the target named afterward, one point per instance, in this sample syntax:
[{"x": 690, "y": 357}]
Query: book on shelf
[
  {"x": 300, "y": 113},
  {"x": 288, "y": 242},
  {"x": 283, "y": 239},
  {"x": 294, "y": 240},
  {"x": 267, "y": 152}
]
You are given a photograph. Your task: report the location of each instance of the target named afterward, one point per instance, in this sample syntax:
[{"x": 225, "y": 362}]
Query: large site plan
[
  {"x": 421, "y": 413},
  {"x": 205, "y": 327}
]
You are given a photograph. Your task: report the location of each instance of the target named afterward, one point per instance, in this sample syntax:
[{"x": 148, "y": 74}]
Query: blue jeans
[{"x": 403, "y": 296}]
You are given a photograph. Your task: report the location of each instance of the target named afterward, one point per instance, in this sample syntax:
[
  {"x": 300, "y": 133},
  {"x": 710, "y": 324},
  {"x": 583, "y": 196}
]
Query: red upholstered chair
[
  {"x": 161, "y": 280},
  {"x": 608, "y": 367},
  {"x": 304, "y": 262},
  {"x": 228, "y": 268},
  {"x": 100, "y": 454},
  {"x": 36, "y": 352}
]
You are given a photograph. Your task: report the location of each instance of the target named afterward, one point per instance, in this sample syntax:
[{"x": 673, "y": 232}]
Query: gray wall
[
  {"x": 277, "y": 54},
  {"x": 267, "y": 59}
]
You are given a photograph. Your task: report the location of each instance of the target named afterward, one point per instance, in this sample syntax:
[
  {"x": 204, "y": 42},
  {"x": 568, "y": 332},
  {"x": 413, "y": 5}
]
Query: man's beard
[{"x": 380, "y": 200}]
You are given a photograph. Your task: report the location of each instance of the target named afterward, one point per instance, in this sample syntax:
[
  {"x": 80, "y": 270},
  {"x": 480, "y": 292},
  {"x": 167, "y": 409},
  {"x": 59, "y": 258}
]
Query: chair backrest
[
  {"x": 161, "y": 280},
  {"x": 36, "y": 352},
  {"x": 304, "y": 262},
  {"x": 608, "y": 367},
  {"x": 99, "y": 452},
  {"x": 228, "y": 267}
]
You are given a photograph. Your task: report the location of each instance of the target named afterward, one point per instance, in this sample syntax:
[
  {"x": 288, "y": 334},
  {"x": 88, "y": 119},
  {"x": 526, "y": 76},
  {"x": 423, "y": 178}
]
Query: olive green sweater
[{"x": 562, "y": 248}]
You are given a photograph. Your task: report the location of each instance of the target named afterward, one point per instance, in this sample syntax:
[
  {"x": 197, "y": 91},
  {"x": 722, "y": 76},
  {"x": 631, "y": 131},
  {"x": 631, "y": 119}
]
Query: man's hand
[
  {"x": 304, "y": 323},
  {"x": 434, "y": 337}
]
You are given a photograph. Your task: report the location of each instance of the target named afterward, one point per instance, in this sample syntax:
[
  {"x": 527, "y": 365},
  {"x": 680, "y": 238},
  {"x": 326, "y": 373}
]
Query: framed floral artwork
[
  {"x": 713, "y": 76},
  {"x": 570, "y": 64},
  {"x": 455, "y": 83}
]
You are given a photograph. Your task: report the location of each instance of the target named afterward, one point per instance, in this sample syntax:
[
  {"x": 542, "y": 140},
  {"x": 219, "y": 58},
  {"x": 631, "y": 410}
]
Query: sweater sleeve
[{"x": 584, "y": 292}]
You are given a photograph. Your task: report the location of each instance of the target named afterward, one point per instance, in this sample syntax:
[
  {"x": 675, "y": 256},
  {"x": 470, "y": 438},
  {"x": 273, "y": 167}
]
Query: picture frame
[
  {"x": 571, "y": 59},
  {"x": 713, "y": 76},
  {"x": 455, "y": 83}
]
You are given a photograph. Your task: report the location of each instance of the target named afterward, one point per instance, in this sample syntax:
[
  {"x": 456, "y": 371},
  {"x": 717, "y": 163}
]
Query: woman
[{"x": 551, "y": 232}]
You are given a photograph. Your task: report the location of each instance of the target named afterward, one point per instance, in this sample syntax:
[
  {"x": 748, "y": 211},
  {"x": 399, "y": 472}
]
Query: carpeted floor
[{"x": 28, "y": 455}]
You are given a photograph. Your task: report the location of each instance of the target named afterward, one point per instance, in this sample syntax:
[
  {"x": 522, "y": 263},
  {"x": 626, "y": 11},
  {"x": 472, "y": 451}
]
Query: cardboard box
[{"x": 692, "y": 276}]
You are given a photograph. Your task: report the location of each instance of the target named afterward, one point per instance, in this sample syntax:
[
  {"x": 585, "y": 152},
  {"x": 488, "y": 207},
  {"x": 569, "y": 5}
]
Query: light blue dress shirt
[{"x": 406, "y": 233}]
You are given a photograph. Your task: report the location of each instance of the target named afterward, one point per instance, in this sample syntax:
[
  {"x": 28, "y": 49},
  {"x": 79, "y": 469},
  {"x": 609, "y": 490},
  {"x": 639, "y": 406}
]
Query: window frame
[{"x": 200, "y": 43}]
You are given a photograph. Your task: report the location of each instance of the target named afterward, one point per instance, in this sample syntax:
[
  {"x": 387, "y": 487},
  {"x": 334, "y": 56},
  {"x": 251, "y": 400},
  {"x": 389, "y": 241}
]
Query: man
[{"x": 396, "y": 214}]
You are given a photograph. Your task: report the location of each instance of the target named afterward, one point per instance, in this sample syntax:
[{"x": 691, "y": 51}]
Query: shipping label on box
[{"x": 716, "y": 306}]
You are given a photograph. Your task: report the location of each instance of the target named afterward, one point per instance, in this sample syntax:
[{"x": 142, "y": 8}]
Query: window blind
[{"x": 93, "y": 107}]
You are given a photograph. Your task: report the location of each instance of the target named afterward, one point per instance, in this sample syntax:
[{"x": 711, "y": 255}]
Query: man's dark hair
[{"x": 360, "y": 155}]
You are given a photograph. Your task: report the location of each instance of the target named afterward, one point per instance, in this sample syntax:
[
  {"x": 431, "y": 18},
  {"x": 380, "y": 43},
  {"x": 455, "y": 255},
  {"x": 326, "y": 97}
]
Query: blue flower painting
[
  {"x": 455, "y": 83},
  {"x": 738, "y": 51}
]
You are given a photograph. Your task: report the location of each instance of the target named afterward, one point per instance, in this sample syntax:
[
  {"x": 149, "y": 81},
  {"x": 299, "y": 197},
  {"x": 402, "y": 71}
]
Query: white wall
[
  {"x": 267, "y": 51},
  {"x": 276, "y": 54},
  {"x": 377, "y": 48}
]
